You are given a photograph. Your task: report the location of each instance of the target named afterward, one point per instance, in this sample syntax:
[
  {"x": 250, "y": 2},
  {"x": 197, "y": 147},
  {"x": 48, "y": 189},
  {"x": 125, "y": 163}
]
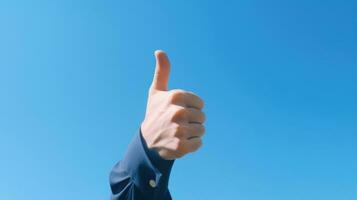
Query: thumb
[{"x": 162, "y": 71}]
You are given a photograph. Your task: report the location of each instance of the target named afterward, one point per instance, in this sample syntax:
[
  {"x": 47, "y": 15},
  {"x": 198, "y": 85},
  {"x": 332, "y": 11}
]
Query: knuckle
[
  {"x": 179, "y": 147},
  {"x": 179, "y": 113},
  {"x": 172, "y": 97},
  {"x": 197, "y": 115},
  {"x": 179, "y": 131},
  {"x": 175, "y": 95},
  {"x": 197, "y": 130}
]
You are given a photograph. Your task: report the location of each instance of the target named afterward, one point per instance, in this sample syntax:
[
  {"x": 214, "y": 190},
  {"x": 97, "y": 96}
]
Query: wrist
[{"x": 146, "y": 136}]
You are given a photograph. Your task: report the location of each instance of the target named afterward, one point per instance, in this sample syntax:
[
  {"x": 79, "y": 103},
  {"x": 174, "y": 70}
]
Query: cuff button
[{"x": 152, "y": 183}]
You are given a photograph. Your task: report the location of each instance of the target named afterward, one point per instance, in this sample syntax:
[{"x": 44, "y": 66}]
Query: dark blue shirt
[{"x": 141, "y": 175}]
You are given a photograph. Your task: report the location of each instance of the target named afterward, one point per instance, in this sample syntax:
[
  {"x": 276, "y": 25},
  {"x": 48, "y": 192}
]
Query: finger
[
  {"x": 194, "y": 101},
  {"x": 182, "y": 114},
  {"x": 194, "y": 130},
  {"x": 162, "y": 71},
  {"x": 193, "y": 144},
  {"x": 195, "y": 116}
]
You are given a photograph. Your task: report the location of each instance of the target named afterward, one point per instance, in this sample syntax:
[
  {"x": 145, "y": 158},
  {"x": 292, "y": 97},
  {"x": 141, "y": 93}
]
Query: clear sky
[{"x": 279, "y": 79}]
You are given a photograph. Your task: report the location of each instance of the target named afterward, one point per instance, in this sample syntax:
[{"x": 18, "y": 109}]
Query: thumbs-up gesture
[{"x": 173, "y": 123}]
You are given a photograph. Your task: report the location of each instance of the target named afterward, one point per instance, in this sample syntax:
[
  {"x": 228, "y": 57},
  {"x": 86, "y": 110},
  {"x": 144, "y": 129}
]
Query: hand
[{"x": 173, "y": 123}]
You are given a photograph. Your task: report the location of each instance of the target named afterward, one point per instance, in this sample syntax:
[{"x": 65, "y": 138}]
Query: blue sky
[{"x": 278, "y": 78}]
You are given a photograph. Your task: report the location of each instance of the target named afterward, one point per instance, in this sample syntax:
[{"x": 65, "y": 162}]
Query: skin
[{"x": 173, "y": 123}]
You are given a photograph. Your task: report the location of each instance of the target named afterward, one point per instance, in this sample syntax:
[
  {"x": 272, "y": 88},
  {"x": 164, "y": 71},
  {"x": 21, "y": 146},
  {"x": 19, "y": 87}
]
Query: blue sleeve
[{"x": 141, "y": 175}]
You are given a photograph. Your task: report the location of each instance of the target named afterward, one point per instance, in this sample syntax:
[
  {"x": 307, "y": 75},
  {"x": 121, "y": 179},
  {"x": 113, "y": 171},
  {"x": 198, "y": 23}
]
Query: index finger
[{"x": 193, "y": 101}]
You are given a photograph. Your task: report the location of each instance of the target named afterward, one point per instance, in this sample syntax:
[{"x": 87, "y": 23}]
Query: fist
[{"x": 173, "y": 123}]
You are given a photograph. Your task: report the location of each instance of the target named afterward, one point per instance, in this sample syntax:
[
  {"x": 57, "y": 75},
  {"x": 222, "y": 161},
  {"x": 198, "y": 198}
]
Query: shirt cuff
[{"x": 149, "y": 172}]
